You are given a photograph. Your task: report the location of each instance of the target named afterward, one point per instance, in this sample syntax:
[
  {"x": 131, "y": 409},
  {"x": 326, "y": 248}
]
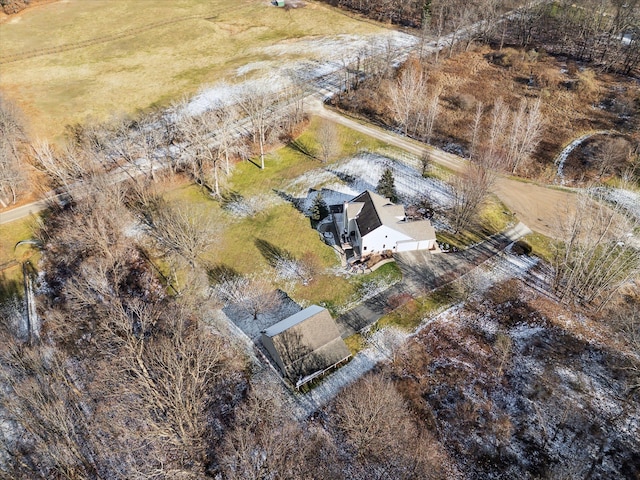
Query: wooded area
[{"x": 132, "y": 371}]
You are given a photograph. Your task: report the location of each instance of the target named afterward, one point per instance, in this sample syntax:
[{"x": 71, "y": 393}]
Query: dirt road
[{"x": 535, "y": 205}]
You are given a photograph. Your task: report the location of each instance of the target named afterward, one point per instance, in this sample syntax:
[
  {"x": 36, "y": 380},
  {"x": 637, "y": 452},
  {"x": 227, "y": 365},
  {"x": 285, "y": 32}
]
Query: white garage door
[{"x": 406, "y": 246}]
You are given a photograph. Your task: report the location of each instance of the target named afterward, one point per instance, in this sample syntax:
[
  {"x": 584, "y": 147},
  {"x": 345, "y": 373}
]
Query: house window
[
  {"x": 364, "y": 248},
  {"x": 383, "y": 246}
]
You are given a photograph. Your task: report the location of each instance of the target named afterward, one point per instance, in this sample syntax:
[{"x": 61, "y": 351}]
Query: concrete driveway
[{"x": 422, "y": 272}]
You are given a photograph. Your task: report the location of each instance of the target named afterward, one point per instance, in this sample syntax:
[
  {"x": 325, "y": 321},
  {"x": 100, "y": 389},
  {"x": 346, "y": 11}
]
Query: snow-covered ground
[
  {"x": 307, "y": 59},
  {"x": 351, "y": 177},
  {"x": 241, "y": 207},
  {"x": 625, "y": 199},
  {"x": 253, "y": 327},
  {"x": 383, "y": 344}
]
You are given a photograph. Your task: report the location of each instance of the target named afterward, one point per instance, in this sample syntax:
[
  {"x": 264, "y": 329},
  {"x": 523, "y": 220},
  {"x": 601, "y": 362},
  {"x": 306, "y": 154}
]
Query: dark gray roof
[
  {"x": 306, "y": 342},
  {"x": 368, "y": 219}
]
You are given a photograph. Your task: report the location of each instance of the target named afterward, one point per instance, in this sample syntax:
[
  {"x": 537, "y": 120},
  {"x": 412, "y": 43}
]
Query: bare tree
[
  {"x": 612, "y": 155},
  {"x": 175, "y": 365},
  {"x": 425, "y": 162},
  {"x": 12, "y": 141},
  {"x": 64, "y": 168},
  {"x": 475, "y": 130},
  {"x": 151, "y": 142},
  {"x": 252, "y": 294},
  {"x": 406, "y": 95},
  {"x": 499, "y": 120},
  {"x": 180, "y": 229},
  {"x": 432, "y": 108},
  {"x": 525, "y": 134},
  {"x": 470, "y": 191},
  {"x": 593, "y": 260},
  {"x": 228, "y": 141},
  {"x": 372, "y": 415},
  {"x": 266, "y": 443},
  {"x": 46, "y": 418},
  {"x": 625, "y": 318},
  {"x": 200, "y": 156},
  {"x": 258, "y": 103},
  {"x": 376, "y": 423},
  {"x": 328, "y": 140}
]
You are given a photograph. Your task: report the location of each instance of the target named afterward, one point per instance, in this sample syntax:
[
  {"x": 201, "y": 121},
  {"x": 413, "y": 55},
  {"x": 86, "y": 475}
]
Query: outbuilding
[{"x": 305, "y": 345}]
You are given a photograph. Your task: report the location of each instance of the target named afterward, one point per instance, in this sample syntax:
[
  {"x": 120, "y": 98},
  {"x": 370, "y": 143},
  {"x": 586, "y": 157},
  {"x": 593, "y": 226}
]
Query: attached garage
[
  {"x": 407, "y": 246},
  {"x": 411, "y": 245}
]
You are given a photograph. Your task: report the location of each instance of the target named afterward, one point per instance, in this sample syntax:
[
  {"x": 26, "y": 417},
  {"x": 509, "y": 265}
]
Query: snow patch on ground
[
  {"x": 626, "y": 199},
  {"x": 225, "y": 94},
  {"x": 242, "y": 207},
  {"x": 253, "y": 327},
  {"x": 322, "y": 56},
  {"x": 342, "y": 182}
]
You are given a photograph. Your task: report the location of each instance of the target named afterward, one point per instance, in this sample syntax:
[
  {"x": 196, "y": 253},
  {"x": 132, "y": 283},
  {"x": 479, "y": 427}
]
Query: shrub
[
  {"x": 521, "y": 248},
  {"x": 464, "y": 101}
]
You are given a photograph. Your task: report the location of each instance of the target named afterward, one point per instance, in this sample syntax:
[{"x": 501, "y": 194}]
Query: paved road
[
  {"x": 423, "y": 272},
  {"x": 21, "y": 212}
]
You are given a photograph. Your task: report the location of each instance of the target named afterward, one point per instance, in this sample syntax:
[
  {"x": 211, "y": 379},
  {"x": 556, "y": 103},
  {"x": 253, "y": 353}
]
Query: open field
[
  {"x": 66, "y": 62},
  {"x": 10, "y": 234}
]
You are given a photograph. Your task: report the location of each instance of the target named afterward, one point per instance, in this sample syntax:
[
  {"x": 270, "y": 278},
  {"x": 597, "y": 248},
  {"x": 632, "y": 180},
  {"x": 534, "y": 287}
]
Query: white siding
[
  {"x": 382, "y": 238},
  {"x": 415, "y": 245},
  {"x": 407, "y": 246}
]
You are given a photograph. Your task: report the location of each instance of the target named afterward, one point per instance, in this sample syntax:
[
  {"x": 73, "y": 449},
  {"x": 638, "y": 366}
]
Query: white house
[{"x": 371, "y": 223}]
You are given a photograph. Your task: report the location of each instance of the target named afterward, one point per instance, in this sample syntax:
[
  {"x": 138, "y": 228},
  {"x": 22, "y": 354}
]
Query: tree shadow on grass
[
  {"x": 272, "y": 253},
  {"x": 303, "y": 148},
  {"x": 221, "y": 272},
  {"x": 9, "y": 288}
]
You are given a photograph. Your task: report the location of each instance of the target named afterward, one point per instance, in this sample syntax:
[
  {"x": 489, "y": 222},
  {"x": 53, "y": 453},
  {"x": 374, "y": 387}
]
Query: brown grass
[{"x": 118, "y": 57}]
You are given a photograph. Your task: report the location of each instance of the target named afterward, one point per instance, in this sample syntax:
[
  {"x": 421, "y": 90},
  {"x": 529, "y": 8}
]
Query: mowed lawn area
[
  {"x": 11, "y": 257},
  {"x": 121, "y": 56},
  {"x": 277, "y": 222}
]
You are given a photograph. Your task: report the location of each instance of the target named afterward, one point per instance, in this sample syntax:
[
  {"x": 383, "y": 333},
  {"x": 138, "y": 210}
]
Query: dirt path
[{"x": 535, "y": 205}]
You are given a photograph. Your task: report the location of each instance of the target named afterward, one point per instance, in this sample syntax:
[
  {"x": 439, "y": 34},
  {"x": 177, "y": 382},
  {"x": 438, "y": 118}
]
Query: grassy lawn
[
  {"x": 122, "y": 56},
  {"x": 284, "y": 227},
  {"x": 410, "y": 315},
  {"x": 291, "y": 161},
  {"x": 10, "y": 234},
  {"x": 542, "y": 246},
  {"x": 493, "y": 219},
  {"x": 281, "y": 166},
  {"x": 281, "y": 225}
]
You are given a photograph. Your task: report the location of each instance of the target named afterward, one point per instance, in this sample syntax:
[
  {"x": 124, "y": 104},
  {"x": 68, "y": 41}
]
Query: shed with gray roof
[{"x": 306, "y": 344}]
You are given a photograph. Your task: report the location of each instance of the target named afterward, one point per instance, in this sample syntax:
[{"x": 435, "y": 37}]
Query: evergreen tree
[
  {"x": 386, "y": 185},
  {"x": 319, "y": 208}
]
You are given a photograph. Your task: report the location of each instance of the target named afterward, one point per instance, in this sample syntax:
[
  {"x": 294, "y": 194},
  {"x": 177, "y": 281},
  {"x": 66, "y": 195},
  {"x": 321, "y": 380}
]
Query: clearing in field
[{"x": 66, "y": 62}]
